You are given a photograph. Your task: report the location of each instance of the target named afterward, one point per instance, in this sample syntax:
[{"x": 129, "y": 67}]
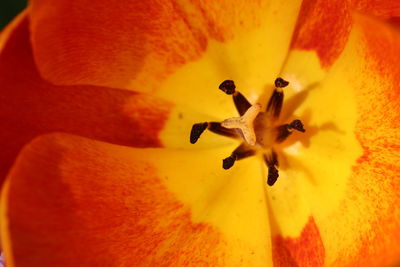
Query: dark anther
[
  {"x": 271, "y": 161},
  {"x": 280, "y": 83},
  {"x": 197, "y": 130},
  {"x": 229, "y": 161},
  {"x": 273, "y": 175},
  {"x": 297, "y": 125},
  {"x": 228, "y": 86},
  {"x": 241, "y": 152},
  {"x": 275, "y": 103},
  {"x": 285, "y": 130},
  {"x": 241, "y": 103}
]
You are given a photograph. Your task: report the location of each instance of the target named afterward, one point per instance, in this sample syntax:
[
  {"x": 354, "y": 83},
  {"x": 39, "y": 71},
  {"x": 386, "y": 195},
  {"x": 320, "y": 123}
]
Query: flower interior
[{"x": 260, "y": 130}]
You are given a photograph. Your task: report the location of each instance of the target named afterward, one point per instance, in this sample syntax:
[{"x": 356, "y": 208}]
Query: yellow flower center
[{"x": 258, "y": 128}]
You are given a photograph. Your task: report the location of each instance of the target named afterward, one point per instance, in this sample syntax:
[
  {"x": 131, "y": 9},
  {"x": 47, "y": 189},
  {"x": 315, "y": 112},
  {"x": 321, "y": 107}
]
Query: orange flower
[{"x": 124, "y": 81}]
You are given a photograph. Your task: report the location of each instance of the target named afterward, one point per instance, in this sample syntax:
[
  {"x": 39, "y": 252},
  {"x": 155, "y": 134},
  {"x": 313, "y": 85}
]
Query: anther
[
  {"x": 297, "y": 125},
  {"x": 229, "y": 161},
  {"x": 271, "y": 161},
  {"x": 197, "y": 130},
  {"x": 273, "y": 175},
  {"x": 215, "y": 127},
  {"x": 285, "y": 130},
  {"x": 281, "y": 83},
  {"x": 228, "y": 87}
]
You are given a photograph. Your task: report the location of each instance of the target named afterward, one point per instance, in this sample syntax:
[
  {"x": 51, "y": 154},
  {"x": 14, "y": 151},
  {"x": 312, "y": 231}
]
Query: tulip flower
[{"x": 99, "y": 99}]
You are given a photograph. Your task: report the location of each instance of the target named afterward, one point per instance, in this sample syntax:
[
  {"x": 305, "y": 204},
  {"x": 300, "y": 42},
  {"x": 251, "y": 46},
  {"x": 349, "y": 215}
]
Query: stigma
[
  {"x": 245, "y": 123},
  {"x": 259, "y": 130}
]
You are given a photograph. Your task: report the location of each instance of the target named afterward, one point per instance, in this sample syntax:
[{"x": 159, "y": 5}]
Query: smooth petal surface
[
  {"x": 32, "y": 106},
  {"x": 342, "y": 188},
  {"x": 71, "y": 201}
]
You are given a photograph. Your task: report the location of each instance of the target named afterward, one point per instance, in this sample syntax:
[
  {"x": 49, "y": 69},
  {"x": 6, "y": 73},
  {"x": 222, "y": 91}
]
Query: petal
[
  {"x": 305, "y": 250},
  {"x": 345, "y": 173},
  {"x": 8, "y": 29},
  {"x": 253, "y": 58},
  {"x": 324, "y": 26},
  {"x": 139, "y": 44},
  {"x": 71, "y": 201},
  {"x": 384, "y": 9},
  {"x": 32, "y": 106}
]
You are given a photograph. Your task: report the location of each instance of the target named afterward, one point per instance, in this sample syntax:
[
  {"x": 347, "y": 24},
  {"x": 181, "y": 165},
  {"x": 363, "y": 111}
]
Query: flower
[{"x": 122, "y": 83}]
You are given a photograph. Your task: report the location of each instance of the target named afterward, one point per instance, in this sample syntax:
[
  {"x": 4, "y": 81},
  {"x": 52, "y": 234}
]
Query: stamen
[
  {"x": 275, "y": 102},
  {"x": 272, "y": 162},
  {"x": 228, "y": 162},
  {"x": 241, "y": 103},
  {"x": 241, "y": 152},
  {"x": 273, "y": 175},
  {"x": 271, "y": 158},
  {"x": 297, "y": 125},
  {"x": 197, "y": 130},
  {"x": 281, "y": 83},
  {"x": 228, "y": 86},
  {"x": 285, "y": 130},
  {"x": 245, "y": 124},
  {"x": 215, "y": 127}
]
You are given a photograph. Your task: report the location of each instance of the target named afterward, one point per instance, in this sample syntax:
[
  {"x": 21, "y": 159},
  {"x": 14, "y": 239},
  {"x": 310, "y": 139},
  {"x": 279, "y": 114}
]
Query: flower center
[{"x": 259, "y": 129}]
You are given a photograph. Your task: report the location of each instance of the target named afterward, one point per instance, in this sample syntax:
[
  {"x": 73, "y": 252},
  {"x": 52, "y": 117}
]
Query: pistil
[{"x": 245, "y": 124}]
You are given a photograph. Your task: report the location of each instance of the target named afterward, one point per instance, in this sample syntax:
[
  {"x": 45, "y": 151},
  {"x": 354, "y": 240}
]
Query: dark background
[{"x": 9, "y": 9}]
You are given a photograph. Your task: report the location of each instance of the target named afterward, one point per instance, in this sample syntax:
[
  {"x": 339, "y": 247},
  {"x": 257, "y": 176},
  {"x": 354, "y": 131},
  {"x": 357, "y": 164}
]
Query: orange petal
[
  {"x": 374, "y": 186},
  {"x": 32, "y": 106},
  {"x": 347, "y": 174},
  {"x": 305, "y": 250},
  {"x": 323, "y": 26},
  {"x": 113, "y": 43},
  {"x": 71, "y": 201},
  {"x": 384, "y": 9}
]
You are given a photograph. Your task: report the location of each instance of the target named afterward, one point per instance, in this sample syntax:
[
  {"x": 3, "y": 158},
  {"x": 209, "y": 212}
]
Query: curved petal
[
  {"x": 324, "y": 26},
  {"x": 32, "y": 106},
  {"x": 139, "y": 45},
  {"x": 8, "y": 29},
  {"x": 71, "y": 201},
  {"x": 344, "y": 174}
]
